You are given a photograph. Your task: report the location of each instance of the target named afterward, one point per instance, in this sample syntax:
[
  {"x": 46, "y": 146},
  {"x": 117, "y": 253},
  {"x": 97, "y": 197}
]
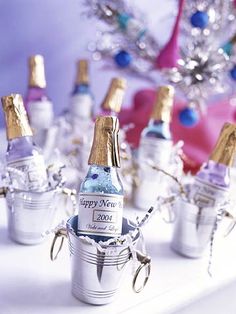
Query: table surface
[{"x": 31, "y": 283}]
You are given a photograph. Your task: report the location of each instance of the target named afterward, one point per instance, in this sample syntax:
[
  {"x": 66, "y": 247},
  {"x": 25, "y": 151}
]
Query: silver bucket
[
  {"x": 193, "y": 228},
  {"x": 97, "y": 273},
  {"x": 30, "y": 214}
]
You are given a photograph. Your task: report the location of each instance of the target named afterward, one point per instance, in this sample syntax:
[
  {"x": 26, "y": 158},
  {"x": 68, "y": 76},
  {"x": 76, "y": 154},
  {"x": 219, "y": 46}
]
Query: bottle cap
[
  {"x": 115, "y": 95},
  {"x": 17, "y": 124},
  {"x": 163, "y": 104},
  {"x": 105, "y": 148},
  {"x": 82, "y": 72},
  {"x": 37, "y": 72},
  {"x": 224, "y": 150}
]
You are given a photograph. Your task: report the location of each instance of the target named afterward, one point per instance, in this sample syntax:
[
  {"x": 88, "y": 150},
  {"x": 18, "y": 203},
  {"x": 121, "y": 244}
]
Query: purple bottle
[
  {"x": 22, "y": 154},
  {"x": 212, "y": 182},
  {"x": 38, "y": 105}
]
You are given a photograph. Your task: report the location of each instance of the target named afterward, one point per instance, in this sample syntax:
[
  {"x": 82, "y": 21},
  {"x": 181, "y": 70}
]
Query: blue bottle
[
  {"x": 101, "y": 192},
  {"x": 155, "y": 146},
  {"x": 22, "y": 154},
  {"x": 81, "y": 103}
]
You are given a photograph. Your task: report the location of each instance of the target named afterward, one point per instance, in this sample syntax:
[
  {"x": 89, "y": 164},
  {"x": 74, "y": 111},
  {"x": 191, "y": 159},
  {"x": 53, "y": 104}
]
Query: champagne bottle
[
  {"x": 101, "y": 192},
  {"x": 38, "y": 105},
  {"x": 156, "y": 146},
  {"x": 22, "y": 154},
  {"x": 81, "y": 106},
  {"x": 111, "y": 105},
  {"x": 212, "y": 182}
]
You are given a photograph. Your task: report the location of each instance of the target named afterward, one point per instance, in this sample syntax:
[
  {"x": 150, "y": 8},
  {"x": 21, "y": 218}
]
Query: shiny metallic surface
[
  {"x": 37, "y": 72},
  {"x": 224, "y": 151},
  {"x": 17, "y": 123},
  {"x": 105, "y": 147},
  {"x": 163, "y": 104},
  {"x": 82, "y": 73},
  {"x": 115, "y": 95},
  {"x": 97, "y": 274},
  {"x": 193, "y": 229},
  {"x": 30, "y": 215}
]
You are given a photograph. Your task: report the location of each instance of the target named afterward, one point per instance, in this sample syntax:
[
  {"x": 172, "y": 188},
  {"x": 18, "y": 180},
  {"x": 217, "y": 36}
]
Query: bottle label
[
  {"x": 100, "y": 214},
  {"x": 34, "y": 173},
  {"x": 206, "y": 194},
  {"x": 40, "y": 114},
  {"x": 81, "y": 105},
  {"x": 157, "y": 150}
]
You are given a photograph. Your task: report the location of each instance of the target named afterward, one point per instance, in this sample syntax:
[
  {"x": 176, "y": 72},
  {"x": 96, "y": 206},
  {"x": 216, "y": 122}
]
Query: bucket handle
[
  {"x": 60, "y": 233},
  {"x": 145, "y": 264},
  {"x": 3, "y": 192}
]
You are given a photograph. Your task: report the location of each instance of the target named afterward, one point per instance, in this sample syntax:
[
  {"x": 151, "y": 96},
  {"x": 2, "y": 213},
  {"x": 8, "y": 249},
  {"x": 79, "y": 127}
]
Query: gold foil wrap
[
  {"x": 115, "y": 95},
  {"x": 37, "y": 72},
  {"x": 17, "y": 124},
  {"x": 224, "y": 150},
  {"x": 105, "y": 148},
  {"x": 163, "y": 104},
  {"x": 82, "y": 72}
]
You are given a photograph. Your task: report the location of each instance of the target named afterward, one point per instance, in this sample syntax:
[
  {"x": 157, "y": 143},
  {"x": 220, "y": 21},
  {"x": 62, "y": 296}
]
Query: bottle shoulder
[
  {"x": 21, "y": 148},
  {"x": 158, "y": 130},
  {"x": 214, "y": 173},
  {"x": 102, "y": 180}
]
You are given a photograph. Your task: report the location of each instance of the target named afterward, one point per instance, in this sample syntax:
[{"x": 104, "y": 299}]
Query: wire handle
[
  {"x": 60, "y": 233},
  {"x": 145, "y": 263}
]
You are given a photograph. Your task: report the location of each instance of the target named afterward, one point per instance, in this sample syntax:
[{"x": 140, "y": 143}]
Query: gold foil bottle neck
[
  {"x": 17, "y": 124},
  {"x": 37, "y": 72},
  {"x": 82, "y": 72},
  {"x": 225, "y": 147},
  {"x": 163, "y": 105},
  {"x": 105, "y": 148},
  {"x": 115, "y": 95}
]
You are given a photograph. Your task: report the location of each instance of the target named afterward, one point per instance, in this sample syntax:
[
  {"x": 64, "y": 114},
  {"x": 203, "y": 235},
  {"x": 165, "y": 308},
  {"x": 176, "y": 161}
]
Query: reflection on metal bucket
[
  {"x": 30, "y": 214},
  {"x": 193, "y": 228},
  {"x": 97, "y": 273}
]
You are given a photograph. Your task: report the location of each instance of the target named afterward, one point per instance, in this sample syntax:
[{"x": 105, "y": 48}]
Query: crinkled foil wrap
[
  {"x": 17, "y": 123},
  {"x": 105, "y": 148},
  {"x": 224, "y": 150},
  {"x": 114, "y": 97},
  {"x": 164, "y": 103},
  {"x": 37, "y": 72}
]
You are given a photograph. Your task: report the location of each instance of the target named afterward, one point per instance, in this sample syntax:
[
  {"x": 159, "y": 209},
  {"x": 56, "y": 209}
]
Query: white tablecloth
[{"x": 31, "y": 284}]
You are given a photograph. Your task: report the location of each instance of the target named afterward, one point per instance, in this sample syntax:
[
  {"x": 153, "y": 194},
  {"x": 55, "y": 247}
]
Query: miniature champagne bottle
[
  {"x": 101, "y": 192},
  {"x": 38, "y": 105},
  {"x": 81, "y": 103},
  {"x": 156, "y": 147},
  {"x": 212, "y": 183},
  {"x": 22, "y": 154},
  {"x": 111, "y": 105}
]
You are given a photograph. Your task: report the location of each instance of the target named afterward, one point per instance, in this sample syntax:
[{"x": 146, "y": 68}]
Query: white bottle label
[
  {"x": 81, "y": 105},
  {"x": 205, "y": 194},
  {"x": 34, "y": 172},
  {"x": 100, "y": 214},
  {"x": 157, "y": 150},
  {"x": 40, "y": 114}
]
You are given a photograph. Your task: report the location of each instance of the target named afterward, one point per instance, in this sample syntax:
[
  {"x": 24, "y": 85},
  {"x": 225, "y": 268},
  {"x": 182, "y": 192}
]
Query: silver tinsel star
[{"x": 200, "y": 74}]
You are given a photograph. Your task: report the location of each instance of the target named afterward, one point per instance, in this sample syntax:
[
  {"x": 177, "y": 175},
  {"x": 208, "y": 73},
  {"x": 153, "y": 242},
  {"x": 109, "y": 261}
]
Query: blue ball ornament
[
  {"x": 233, "y": 73},
  {"x": 123, "y": 59},
  {"x": 188, "y": 117},
  {"x": 199, "y": 19}
]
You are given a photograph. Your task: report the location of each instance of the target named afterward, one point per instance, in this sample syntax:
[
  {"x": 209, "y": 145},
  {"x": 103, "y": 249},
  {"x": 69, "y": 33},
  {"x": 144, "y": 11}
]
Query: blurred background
[{"x": 57, "y": 30}]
